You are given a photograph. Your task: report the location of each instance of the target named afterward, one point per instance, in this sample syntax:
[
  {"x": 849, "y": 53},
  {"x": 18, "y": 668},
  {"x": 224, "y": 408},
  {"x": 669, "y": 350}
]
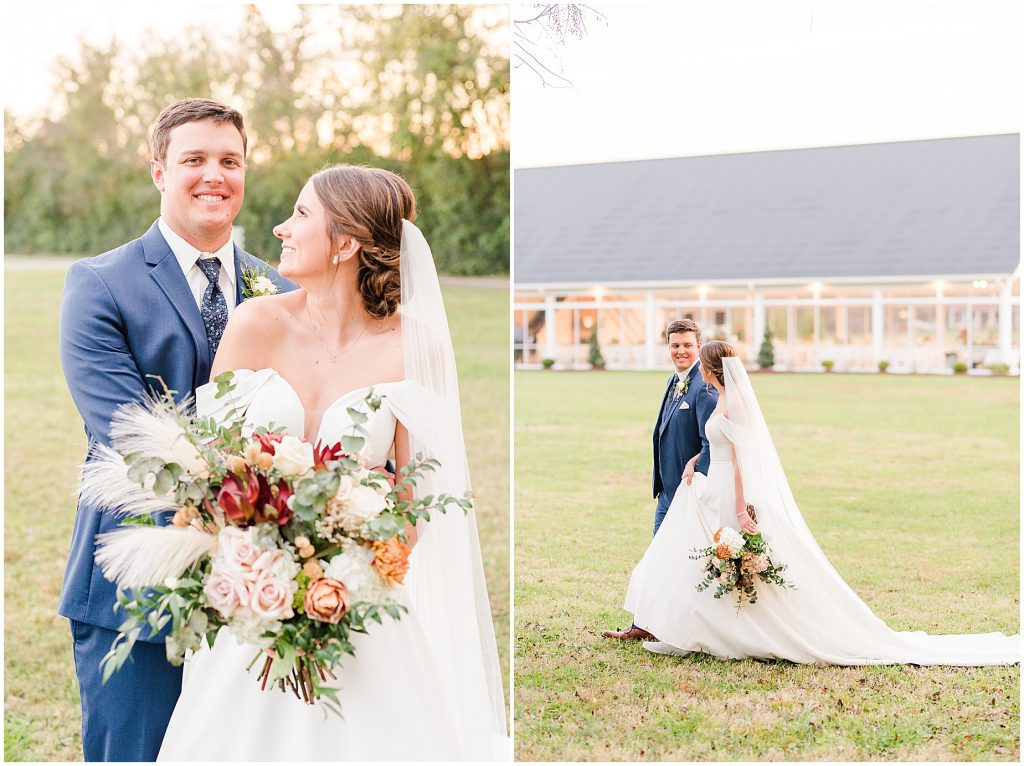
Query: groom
[
  {"x": 156, "y": 306},
  {"x": 678, "y": 432}
]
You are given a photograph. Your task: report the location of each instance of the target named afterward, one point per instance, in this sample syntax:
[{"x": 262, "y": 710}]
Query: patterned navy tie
[{"x": 214, "y": 307}]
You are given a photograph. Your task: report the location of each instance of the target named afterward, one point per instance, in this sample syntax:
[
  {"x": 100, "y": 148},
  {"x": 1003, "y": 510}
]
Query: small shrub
[
  {"x": 999, "y": 368},
  {"x": 766, "y": 354},
  {"x": 548, "y": 363},
  {"x": 960, "y": 368},
  {"x": 594, "y": 357},
  {"x": 828, "y": 364},
  {"x": 883, "y": 365}
]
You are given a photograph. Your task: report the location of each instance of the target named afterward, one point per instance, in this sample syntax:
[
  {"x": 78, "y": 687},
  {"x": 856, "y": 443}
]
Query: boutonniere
[
  {"x": 257, "y": 282},
  {"x": 682, "y": 386}
]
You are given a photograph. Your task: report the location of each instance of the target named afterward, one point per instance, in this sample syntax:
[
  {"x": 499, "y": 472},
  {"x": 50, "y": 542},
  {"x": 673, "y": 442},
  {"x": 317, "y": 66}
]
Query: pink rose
[
  {"x": 275, "y": 562},
  {"x": 226, "y": 591},
  {"x": 237, "y": 548},
  {"x": 272, "y": 598}
]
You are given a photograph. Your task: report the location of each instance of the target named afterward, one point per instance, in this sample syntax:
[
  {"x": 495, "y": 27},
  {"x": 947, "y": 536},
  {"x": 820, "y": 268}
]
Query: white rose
[
  {"x": 345, "y": 487},
  {"x": 358, "y": 506},
  {"x": 263, "y": 286},
  {"x": 366, "y": 502},
  {"x": 293, "y": 456}
]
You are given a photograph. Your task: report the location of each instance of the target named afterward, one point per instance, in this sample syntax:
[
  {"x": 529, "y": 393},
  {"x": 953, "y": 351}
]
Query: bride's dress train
[
  {"x": 392, "y": 692},
  {"x": 821, "y": 621}
]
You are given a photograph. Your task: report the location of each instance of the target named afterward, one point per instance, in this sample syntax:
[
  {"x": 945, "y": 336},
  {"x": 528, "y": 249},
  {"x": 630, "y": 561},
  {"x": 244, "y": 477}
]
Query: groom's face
[
  {"x": 684, "y": 349},
  {"x": 201, "y": 181}
]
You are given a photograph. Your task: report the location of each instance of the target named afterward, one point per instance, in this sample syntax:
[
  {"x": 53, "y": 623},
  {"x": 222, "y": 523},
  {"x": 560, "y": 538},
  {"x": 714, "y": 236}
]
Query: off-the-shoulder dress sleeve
[{"x": 247, "y": 384}]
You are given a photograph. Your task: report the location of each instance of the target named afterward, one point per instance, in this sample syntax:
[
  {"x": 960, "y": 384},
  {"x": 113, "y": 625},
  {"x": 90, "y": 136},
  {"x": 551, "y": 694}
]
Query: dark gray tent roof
[{"x": 936, "y": 207}]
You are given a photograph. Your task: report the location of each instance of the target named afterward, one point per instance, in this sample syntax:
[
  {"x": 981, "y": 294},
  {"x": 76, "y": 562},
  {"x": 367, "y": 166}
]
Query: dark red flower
[
  {"x": 267, "y": 441},
  {"x": 272, "y": 501},
  {"x": 322, "y": 453},
  {"x": 236, "y": 498}
]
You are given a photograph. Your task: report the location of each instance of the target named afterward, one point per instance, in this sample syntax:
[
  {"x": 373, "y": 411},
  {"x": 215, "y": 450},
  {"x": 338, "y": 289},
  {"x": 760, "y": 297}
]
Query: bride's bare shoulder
[{"x": 266, "y": 313}]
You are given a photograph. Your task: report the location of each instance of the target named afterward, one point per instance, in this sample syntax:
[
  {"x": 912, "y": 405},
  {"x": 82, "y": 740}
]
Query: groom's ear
[{"x": 156, "y": 171}]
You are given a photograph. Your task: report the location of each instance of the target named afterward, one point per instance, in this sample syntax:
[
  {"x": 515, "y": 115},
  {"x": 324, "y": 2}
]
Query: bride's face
[{"x": 305, "y": 242}]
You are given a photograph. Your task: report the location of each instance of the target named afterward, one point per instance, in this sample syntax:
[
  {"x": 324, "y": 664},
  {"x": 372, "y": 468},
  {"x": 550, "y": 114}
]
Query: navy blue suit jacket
[
  {"x": 126, "y": 314},
  {"x": 680, "y": 436}
]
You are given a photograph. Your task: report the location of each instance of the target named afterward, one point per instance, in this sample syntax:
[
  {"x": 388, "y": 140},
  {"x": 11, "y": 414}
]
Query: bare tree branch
[{"x": 546, "y": 27}]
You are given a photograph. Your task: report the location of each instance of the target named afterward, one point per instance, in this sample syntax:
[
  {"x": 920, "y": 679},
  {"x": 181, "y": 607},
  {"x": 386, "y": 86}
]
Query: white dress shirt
[{"x": 187, "y": 256}]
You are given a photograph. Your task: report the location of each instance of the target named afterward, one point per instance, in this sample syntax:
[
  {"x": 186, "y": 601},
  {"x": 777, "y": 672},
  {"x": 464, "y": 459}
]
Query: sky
[
  {"x": 677, "y": 79},
  {"x": 35, "y": 34},
  {"x": 720, "y": 76}
]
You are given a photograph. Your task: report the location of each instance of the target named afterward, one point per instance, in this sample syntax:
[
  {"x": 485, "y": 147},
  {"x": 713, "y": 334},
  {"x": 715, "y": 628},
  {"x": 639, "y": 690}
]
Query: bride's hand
[
  {"x": 746, "y": 521},
  {"x": 688, "y": 472}
]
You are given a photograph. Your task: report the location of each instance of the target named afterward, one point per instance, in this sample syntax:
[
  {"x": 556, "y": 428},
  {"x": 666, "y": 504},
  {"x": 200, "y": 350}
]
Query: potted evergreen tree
[
  {"x": 766, "y": 355},
  {"x": 594, "y": 357}
]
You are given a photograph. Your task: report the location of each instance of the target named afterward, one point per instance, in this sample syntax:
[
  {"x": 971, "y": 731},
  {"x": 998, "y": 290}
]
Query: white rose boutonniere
[
  {"x": 256, "y": 282},
  {"x": 682, "y": 386}
]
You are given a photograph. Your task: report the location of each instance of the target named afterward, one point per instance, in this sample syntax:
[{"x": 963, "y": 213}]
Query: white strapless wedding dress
[
  {"x": 388, "y": 696},
  {"x": 822, "y": 621}
]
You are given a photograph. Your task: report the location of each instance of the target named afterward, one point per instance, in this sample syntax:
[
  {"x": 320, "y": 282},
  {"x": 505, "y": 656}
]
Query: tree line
[{"x": 419, "y": 90}]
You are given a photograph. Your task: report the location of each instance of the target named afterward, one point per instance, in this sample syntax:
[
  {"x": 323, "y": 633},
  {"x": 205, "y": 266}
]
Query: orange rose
[
  {"x": 326, "y": 600},
  {"x": 391, "y": 560},
  {"x": 723, "y": 552}
]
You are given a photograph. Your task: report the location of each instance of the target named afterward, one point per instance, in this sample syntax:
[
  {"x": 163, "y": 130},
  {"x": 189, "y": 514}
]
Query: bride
[
  {"x": 821, "y": 621},
  {"x": 368, "y": 316}
]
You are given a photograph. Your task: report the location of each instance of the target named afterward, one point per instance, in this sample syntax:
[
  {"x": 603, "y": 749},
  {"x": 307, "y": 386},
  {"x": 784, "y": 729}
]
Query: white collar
[
  {"x": 187, "y": 254},
  {"x": 686, "y": 372}
]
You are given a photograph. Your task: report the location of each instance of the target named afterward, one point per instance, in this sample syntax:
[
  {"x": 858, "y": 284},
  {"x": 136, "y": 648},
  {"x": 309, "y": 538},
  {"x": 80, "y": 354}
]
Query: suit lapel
[
  {"x": 167, "y": 274},
  {"x": 239, "y": 281},
  {"x": 662, "y": 418},
  {"x": 675, "y": 408}
]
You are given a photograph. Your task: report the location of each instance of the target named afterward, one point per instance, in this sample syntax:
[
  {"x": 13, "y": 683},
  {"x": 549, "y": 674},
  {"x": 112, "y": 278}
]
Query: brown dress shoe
[{"x": 633, "y": 634}]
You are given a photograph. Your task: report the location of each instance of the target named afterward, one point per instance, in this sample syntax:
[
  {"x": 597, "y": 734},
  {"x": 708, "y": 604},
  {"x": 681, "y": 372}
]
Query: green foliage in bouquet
[
  {"x": 734, "y": 561},
  {"x": 292, "y": 511}
]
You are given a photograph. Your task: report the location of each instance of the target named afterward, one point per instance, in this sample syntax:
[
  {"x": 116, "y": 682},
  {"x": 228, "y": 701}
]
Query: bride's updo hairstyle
[
  {"x": 711, "y": 355},
  {"x": 369, "y": 204}
]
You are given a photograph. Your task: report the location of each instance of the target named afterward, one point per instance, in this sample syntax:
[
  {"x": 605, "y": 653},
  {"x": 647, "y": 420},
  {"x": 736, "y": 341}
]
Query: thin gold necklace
[{"x": 332, "y": 354}]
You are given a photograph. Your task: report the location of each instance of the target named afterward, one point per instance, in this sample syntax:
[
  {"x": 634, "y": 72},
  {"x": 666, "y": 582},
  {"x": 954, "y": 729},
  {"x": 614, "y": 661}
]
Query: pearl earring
[{"x": 336, "y": 260}]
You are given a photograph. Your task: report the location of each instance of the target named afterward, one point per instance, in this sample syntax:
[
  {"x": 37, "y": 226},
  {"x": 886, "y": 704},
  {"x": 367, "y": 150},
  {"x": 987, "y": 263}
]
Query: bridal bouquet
[
  {"x": 733, "y": 561},
  {"x": 293, "y": 546}
]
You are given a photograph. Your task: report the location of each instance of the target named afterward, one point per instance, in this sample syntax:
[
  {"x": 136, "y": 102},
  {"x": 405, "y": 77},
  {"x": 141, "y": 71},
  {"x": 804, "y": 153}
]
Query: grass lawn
[
  {"x": 44, "y": 443},
  {"x": 910, "y": 485}
]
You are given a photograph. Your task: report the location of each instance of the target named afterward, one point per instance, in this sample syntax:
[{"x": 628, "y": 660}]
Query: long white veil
[
  {"x": 446, "y": 578},
  {"x": 830, "y": 615}
]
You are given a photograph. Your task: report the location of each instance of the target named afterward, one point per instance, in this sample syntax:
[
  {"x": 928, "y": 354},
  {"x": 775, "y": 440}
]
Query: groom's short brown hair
[
  {"x": 683, "y": 325},
  {"x": 191, "y": 110}
]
